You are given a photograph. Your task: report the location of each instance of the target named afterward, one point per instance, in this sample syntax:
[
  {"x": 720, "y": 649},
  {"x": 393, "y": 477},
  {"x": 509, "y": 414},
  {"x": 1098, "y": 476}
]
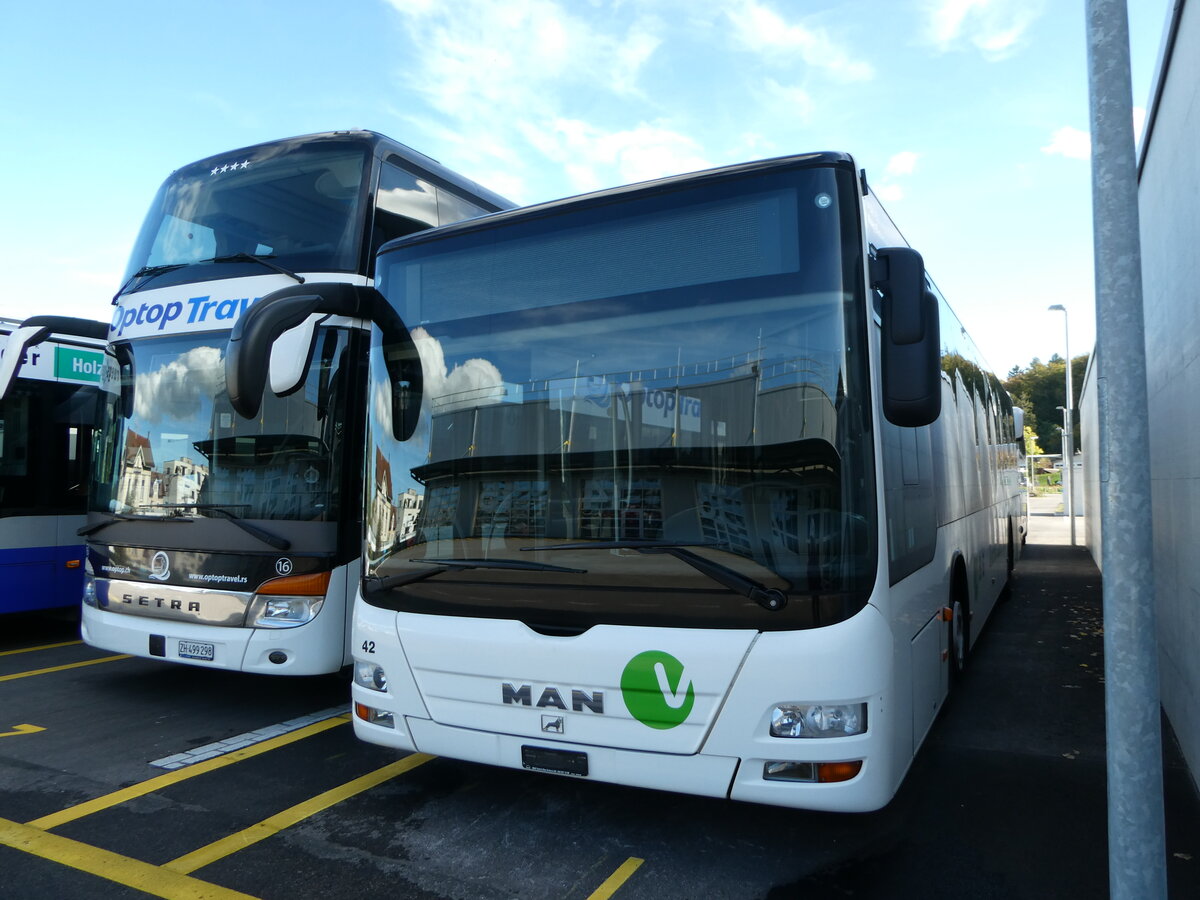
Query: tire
[
  {"x": 1006, "y": 591},
  {"x": 960, "y": 628}
]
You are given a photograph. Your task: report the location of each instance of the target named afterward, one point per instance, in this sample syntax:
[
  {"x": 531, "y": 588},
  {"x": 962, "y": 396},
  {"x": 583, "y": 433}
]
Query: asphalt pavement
[
  {"x": 1006, "y": 798},
  {"x": 1015, "y": 769}
]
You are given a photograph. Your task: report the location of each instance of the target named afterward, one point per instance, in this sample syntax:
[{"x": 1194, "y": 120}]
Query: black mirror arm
[{"x": 249, "y": 350}]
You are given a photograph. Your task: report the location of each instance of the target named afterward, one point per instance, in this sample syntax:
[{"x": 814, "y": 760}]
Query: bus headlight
[
  {"x": 283, "y": 612},
  {"x": 370, "y": 675},
  {"x": 89, "y": 591},
  {"x": 818, "y": 720},
  {"x": 287, "y": 602}
]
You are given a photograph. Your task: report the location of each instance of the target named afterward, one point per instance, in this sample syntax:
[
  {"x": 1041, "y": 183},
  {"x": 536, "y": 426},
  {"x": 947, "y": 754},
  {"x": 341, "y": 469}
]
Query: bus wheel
[
  {"x": 1006, "y": 591},
  {"x": 960, "y": 630}
]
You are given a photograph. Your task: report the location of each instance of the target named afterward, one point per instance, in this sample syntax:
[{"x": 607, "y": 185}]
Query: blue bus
[{"x": 49, "y": 404}]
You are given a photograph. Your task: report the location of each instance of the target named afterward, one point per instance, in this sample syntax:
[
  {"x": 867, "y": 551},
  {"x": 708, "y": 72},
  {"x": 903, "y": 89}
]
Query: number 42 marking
[{"x": 368, "y": 646}]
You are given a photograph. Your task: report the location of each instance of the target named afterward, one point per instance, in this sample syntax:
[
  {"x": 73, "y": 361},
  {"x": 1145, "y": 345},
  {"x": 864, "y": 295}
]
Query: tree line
[{"x": 1040, "y": 389}]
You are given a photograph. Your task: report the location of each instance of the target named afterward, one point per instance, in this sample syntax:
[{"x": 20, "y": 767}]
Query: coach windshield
[
  {"x": 177, "y": 449},
  {"x": 650, "y": 410},
  {"x": 295, "y": 205}
]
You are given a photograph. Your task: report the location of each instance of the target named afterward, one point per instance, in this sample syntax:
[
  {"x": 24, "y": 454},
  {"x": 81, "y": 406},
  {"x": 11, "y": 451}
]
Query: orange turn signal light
[
  {"x": 74, "y": 563},
  {"x": 947, "y": 614},
  {"x": 314, "y": 585},
  {"x": 827, "y": 773}
]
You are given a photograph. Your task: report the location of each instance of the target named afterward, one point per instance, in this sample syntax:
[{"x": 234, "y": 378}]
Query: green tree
[
  {"x": 1032, "y": 448},
  {"x": 1039, "y": 388}
]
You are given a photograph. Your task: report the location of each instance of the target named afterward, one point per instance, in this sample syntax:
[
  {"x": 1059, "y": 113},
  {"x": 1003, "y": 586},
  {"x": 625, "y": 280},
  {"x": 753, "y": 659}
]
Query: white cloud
[
  {"x": 792, "y": 101},
  {"x": 636, "y": 154},
  {"x": 889, "y": 193},
  {"x": 761, "y": 30},
  {"x": 174, "y": 391},
  {"x": 899, "y": 165},
  {"x": 996, "y": 28},
  {"x": 902, "y": 163},
  {"x": 1069, "y": 142},
  {"x": 475, "y": 382},
  {"x": 503, "y": 76}
]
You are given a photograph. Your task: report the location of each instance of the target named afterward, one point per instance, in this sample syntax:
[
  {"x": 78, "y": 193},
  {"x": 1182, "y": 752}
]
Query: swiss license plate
[
  {"x": 196, "y": 650},
  {"x": 560, "y": 762}
]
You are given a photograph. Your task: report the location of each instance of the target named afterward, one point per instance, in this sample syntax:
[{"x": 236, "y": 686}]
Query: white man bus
[{"x": 714, "y": 490}]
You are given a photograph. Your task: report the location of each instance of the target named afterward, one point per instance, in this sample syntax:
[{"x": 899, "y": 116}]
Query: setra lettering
[{"x": 160, "y": 602}]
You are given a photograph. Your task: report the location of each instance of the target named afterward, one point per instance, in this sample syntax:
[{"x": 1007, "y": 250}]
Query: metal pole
[
  {"x": 1136, "y": 830},
  {"x": 1068, "y": 446}
]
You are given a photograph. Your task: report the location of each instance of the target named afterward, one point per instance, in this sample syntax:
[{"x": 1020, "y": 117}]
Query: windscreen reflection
[
  {"x": 182, "y": 449},
  {"x": 295, "y": 204},
  {"x": 616, "y": 400}
]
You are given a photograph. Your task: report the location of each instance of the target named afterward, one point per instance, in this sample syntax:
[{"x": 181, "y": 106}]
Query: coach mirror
[
  {"x": 274, "y": 338},
  {"x": 910, "y": 343}
]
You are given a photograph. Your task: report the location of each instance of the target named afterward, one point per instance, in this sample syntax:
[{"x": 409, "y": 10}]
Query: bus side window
[
  {"x": 453, "y": 208},
  {"x": 911, "y": 506},
  {"x": 404, "y": 204}
]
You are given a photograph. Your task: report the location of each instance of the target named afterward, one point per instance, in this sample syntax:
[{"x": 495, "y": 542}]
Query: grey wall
[{"x": 1170, "y": 225}]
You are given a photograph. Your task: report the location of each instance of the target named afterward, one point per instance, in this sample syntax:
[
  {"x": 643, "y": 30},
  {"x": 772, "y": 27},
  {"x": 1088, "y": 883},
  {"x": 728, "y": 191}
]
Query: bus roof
[
  {"x": 610, "y": 195},
  {"x": 381, "y": 147}
]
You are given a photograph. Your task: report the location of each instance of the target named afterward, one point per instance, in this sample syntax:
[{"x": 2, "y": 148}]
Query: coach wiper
[
  {"x": 375, "y": 584},
  {"x": 768, "y": 598},
  {"x": 263, "y": 535},
  {"x": 125, "y": 517},
  {"x": 261, "y": 259},
  {"x": 146, "y": 272}
]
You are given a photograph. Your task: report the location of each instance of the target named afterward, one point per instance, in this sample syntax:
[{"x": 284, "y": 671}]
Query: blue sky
[{"x": 970, "y": 117}]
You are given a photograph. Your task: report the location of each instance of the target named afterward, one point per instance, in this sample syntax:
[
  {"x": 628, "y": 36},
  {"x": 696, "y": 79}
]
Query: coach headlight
[
  {"x": 818, "y": 720},
  {"x": 370, "y": 675},
  {"x": 287, "y": 602},
  {"x": 89, "y": 591}
]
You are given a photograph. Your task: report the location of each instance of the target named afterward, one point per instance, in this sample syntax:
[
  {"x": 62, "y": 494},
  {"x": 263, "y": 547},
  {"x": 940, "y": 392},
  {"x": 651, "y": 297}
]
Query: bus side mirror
[
  {"x": 33, "y": 331},
  {"x": 911, "y": 341},
  {"x": 248, "y": 355},
  {"x": 291, "y": 354}
]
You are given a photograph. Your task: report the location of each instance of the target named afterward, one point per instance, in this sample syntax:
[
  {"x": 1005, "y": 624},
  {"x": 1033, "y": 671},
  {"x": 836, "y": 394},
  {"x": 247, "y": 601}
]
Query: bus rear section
[{"x": 49, "y": 411}]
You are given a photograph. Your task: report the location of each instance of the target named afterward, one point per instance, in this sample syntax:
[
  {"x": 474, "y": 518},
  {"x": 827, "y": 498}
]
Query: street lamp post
[{"x": 1068, "y": 431}]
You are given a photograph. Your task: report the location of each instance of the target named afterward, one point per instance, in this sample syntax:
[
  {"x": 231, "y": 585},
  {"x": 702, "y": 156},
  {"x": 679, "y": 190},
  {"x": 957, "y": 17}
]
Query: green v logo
[{"x": 655, "y": 691}]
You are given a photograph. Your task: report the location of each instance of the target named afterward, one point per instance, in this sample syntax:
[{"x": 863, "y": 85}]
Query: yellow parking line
[
  {"x": 617, "y": 879},
  {"x": 75, "y": 665},
  {"x": 42, "y": 647},
  {"x": 146, "y": 787},
  {"x": 111, "y": 866},
  {"x": 190, "y": 862}
]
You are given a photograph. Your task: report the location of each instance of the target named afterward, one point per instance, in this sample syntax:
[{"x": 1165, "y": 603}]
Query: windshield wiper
[
  {"x": 146, "y": 272},
  {"x": 772, "y": 599},
  {"x": 125, "y": 517},
  {"x": 374, "y": 584},
  {"x": 262, "y": 260},
  {"x": 263, "y": 535}
]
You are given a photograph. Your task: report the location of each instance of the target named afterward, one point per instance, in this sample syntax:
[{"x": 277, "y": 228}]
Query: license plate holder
[
  {"x": 202, "y": 650},
  {"x": 559, "y": 762}
]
